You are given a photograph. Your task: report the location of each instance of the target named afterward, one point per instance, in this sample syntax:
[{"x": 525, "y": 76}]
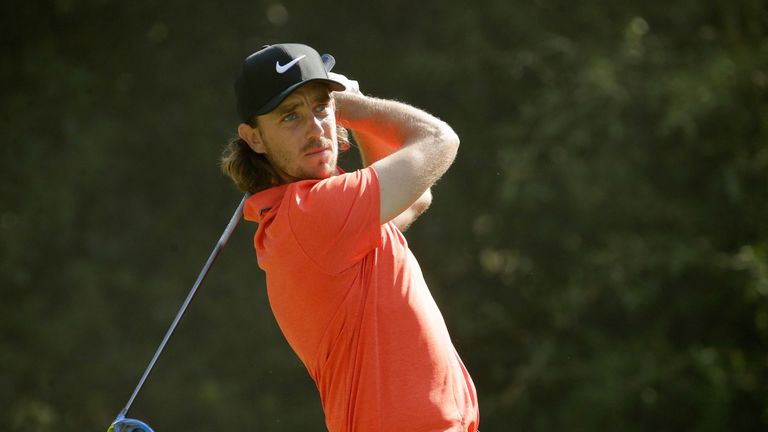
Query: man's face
[{"x": 299, "y": 136}]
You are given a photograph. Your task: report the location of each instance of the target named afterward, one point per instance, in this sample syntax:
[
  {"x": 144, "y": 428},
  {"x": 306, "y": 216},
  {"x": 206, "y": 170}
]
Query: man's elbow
[
  {"x": 422, "y": 204},
  {"x": 449, "y": 138}
]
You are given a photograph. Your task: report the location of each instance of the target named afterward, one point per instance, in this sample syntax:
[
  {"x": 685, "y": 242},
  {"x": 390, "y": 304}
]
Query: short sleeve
[{"x": 336, "y": 220}]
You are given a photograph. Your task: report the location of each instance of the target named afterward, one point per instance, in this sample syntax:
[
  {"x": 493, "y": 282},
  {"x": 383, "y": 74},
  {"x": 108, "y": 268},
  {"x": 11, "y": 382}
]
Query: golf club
[{"x": 123, "y": 424}]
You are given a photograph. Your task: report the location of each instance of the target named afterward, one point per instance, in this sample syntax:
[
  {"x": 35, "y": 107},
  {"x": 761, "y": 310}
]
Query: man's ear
[{"x": 251, "y": 136}]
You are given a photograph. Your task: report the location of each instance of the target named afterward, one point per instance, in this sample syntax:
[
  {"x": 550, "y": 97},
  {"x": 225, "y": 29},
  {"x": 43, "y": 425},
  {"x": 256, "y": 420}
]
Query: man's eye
[
  {"x": 289, "y": 117},
  {"x": 322, "y": 107}
]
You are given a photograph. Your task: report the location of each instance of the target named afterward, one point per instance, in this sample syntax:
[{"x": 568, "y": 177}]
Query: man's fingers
[{"x": 351, "y": 85}]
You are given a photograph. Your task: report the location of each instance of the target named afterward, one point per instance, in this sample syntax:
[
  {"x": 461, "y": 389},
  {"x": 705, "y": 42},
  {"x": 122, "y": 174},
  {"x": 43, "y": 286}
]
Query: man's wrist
[{"x": 349, "y": 108}]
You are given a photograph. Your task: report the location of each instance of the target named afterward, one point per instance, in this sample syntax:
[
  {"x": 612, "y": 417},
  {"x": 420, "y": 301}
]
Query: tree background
[{"x": 599, "y": 249}]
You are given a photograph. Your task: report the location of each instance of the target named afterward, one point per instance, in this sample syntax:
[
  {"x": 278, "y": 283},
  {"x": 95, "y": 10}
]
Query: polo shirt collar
[{"x": 258, "y": 204}]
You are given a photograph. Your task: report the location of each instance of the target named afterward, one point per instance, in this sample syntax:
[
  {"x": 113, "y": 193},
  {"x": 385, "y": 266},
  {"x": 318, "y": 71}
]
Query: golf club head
[{"x": 129, "y": 425}]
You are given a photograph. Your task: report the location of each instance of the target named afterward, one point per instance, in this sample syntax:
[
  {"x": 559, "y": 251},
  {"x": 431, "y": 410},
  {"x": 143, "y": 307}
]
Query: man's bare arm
[
  {"x": 373, "y": 149},
  {"x": 406, "y": 218},
  {"x": 413, "y": 148}
]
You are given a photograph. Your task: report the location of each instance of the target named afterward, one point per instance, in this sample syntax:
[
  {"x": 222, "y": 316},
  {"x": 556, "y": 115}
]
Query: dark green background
[{"x": 599, "y": 249}]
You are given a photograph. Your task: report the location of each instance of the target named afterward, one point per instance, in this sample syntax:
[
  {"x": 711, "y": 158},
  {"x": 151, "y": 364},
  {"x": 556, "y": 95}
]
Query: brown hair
[{"x": 251, "y": 171}]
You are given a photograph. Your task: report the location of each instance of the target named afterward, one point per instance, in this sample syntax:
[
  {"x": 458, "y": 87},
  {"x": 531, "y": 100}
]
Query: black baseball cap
[{"x": 268, "y": 76}]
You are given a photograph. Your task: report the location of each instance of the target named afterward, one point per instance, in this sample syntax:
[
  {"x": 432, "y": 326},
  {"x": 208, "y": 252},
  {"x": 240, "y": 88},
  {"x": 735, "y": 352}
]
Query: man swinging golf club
[{"x": 346, "y": 291}]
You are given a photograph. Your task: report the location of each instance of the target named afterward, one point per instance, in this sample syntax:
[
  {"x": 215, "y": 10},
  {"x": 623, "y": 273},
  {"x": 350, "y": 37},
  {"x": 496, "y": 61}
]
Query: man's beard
[{"x": 315, "y": 144}]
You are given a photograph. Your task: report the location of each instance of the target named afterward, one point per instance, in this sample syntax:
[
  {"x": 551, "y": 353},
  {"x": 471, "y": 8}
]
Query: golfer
[{"x": 346, "y": 291}]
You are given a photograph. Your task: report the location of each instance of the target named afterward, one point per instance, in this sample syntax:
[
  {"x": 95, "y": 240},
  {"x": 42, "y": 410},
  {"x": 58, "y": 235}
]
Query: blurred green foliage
[{"x": 599, "y": 249}]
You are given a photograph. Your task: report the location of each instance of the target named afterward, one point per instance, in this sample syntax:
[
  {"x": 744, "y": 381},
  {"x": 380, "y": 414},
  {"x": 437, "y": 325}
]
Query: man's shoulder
[
  {"x": 354, "y": 183},
  {"x": 331, "y": 194}
]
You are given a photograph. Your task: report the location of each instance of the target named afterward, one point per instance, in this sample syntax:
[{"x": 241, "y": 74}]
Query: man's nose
[{"x": 315, "y": 126}]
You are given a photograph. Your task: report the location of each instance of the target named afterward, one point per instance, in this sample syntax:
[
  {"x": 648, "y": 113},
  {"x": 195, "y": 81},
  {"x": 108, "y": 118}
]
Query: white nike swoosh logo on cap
[{"x": 281, "y": 69}]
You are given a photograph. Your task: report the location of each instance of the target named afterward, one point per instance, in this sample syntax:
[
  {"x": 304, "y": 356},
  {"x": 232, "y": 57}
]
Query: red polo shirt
[{"x": 350, "y": 299}]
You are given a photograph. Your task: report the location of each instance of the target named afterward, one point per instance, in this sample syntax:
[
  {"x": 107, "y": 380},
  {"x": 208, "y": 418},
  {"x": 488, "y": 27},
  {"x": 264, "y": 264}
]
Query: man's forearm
[
  {"x": 384, "y": 126},
  {"x": 373, "y": 146}
]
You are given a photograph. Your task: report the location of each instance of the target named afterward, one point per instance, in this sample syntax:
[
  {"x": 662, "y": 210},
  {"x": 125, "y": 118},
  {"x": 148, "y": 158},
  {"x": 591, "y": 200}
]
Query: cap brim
[{"x": 275, "y": 101}]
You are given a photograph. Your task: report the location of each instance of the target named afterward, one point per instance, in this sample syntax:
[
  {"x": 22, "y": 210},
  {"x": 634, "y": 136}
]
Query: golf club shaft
[{"x": 200, "y": 278}]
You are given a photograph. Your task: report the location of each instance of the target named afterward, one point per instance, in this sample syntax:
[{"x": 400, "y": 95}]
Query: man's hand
[{"x": 351, "y": 85}]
